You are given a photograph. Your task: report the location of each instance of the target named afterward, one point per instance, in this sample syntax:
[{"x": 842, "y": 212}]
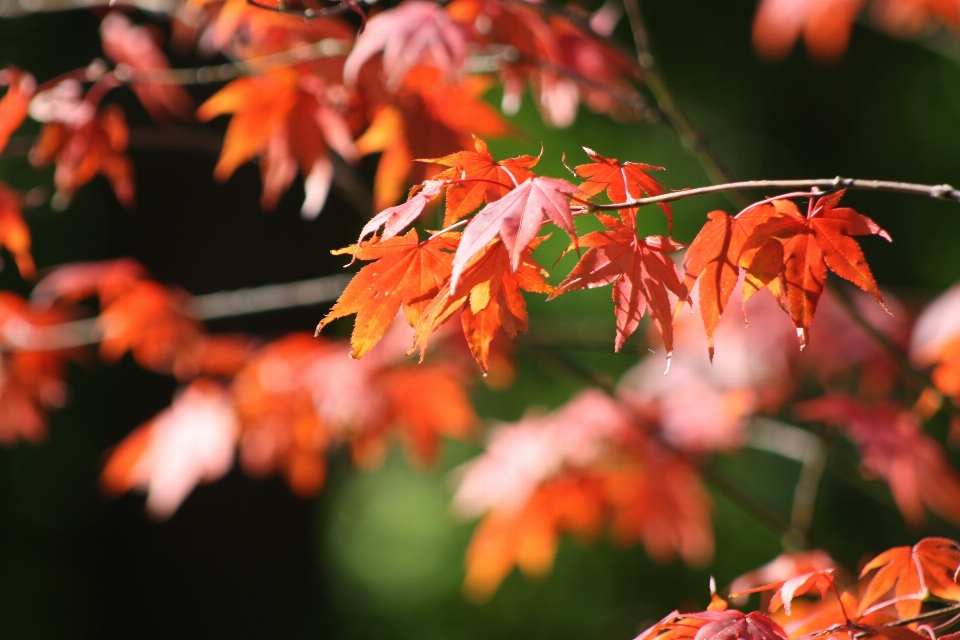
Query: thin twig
[
  {"x": 223, "y": 304},
  {"x": 759, "y": 512},
  {"x": 690, "y": 135},
  {"x": 938, "y": 191},
  {"x": 326, "y": 48}
]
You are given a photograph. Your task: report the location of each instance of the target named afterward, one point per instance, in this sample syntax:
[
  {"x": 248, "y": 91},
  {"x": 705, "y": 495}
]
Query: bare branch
[
  {"x": 818, "y": 186},
  {"x": 18, "y": 334}
]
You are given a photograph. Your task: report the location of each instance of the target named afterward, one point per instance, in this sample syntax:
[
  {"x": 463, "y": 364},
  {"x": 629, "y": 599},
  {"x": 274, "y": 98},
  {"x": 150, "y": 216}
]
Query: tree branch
[
  {"x": 690, "y": 135},
  {"x": 222, "y": 304},
  {"x": 818, "y": 185}
]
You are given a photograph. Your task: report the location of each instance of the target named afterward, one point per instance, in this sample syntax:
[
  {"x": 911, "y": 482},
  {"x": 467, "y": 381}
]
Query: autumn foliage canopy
[{"x": 749, "y": 338}]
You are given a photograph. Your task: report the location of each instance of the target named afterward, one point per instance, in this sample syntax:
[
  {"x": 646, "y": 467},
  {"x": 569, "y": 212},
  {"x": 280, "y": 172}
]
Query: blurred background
[{"x": 380, "y": 554}]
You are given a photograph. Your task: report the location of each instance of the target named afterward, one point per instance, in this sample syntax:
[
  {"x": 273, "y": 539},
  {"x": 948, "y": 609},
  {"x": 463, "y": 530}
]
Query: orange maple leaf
[
  {"x": 913, "y": 574},
  {"x": 424, "y": 417},
  {"x": 406, "y": 272},
  {"x": 16, "y": 102},
  {"x": 282, "y": 117},
  {"x": 641, "y": 274},
  {"x": 790, "y": 254},
  {"x": 14, "y": 232},
  {"x": 477, "y": 178},
  {"x": 623, "y": 182},
  {"x": 786, "y": 590},
  {"x": 490, "y": 296},
  {"x": 529, "y": 538},
  {"x": 85, "y": 147},
  {"x": 427, "y": 118},
  {"x": 280, "y": 427}
]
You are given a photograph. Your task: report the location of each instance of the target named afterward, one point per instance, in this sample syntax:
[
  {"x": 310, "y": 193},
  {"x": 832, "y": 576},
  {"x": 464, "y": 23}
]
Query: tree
[{"x": 830, "y": 371}]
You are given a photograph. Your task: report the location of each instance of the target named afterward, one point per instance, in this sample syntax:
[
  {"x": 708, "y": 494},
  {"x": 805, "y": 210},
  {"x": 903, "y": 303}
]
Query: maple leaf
[
  {"x": 894, "y": 447},
  {"x": 151, "y": 322},
  {"x": 712, "y": 259},
  {"x": 481, "y": 178},
  {"x": 135, "y": 48},
  {"x": 281, "y": 116},
  {"x": 427, "y": 118},
  {"x": 411, "y": 34},
  {"x": 641, "y": 274},
  {"x": 913, "y": 574},
  {"x": 14, "y": 232},
  {"x": 191, "y": 442},
  {"x": 423, "y": 417},
  {"x": 15, "y": 103},
  {"x": 825, "y": 25},
  {"x": 623, "y": 182},
  {"x": 405, "y": 273},
  {"x": 785, "y": 566},
  {"x": 516, "y": 218},
  {"x": 31, "y": 382},
  {"x": 734, "y": 625},
  {"x": 659, "y": 500},
  {"x": 396, "y": 219},
  {"x": 529, "y": 538},
  {"x": 83, "y": 145},
  {"x": 785, "y": 591},
  {"x": 280, "y": 427},
  {"x": 799, "y": 250},
  {"x": 521, "y": 456},
  {"x": 493, "y": 291}
]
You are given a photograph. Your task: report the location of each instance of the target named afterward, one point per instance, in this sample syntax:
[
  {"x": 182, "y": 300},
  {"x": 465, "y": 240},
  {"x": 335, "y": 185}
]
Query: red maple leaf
[
  {"x": 659, "y": 500},
  {"x": 713, "y": 260},
  {"x": 641, "y": 274},
  {"x": 84, "y": 145},
  {"x": 477, "y": 178},
  {"x": 623, "y": 182},
  {"x": 396, "y": 219},
  {"x": 791, "y": 253},
  {"x": 136, "y": 48},
  {"x": 283, "y": 117},
  {"x": 734, "y": 625},
  {"x": 894, "y": 447}
]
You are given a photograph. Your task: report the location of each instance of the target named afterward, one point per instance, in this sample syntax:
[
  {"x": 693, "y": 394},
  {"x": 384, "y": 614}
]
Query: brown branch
[
  {"x": 690, "y": 135},
  {"x": 819, "y": 185},
  {"x": 766, "y": 517}
]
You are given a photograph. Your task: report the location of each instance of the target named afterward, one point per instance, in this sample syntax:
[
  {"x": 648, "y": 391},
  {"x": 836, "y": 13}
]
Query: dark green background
[{"x": 379, "y": 555}]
